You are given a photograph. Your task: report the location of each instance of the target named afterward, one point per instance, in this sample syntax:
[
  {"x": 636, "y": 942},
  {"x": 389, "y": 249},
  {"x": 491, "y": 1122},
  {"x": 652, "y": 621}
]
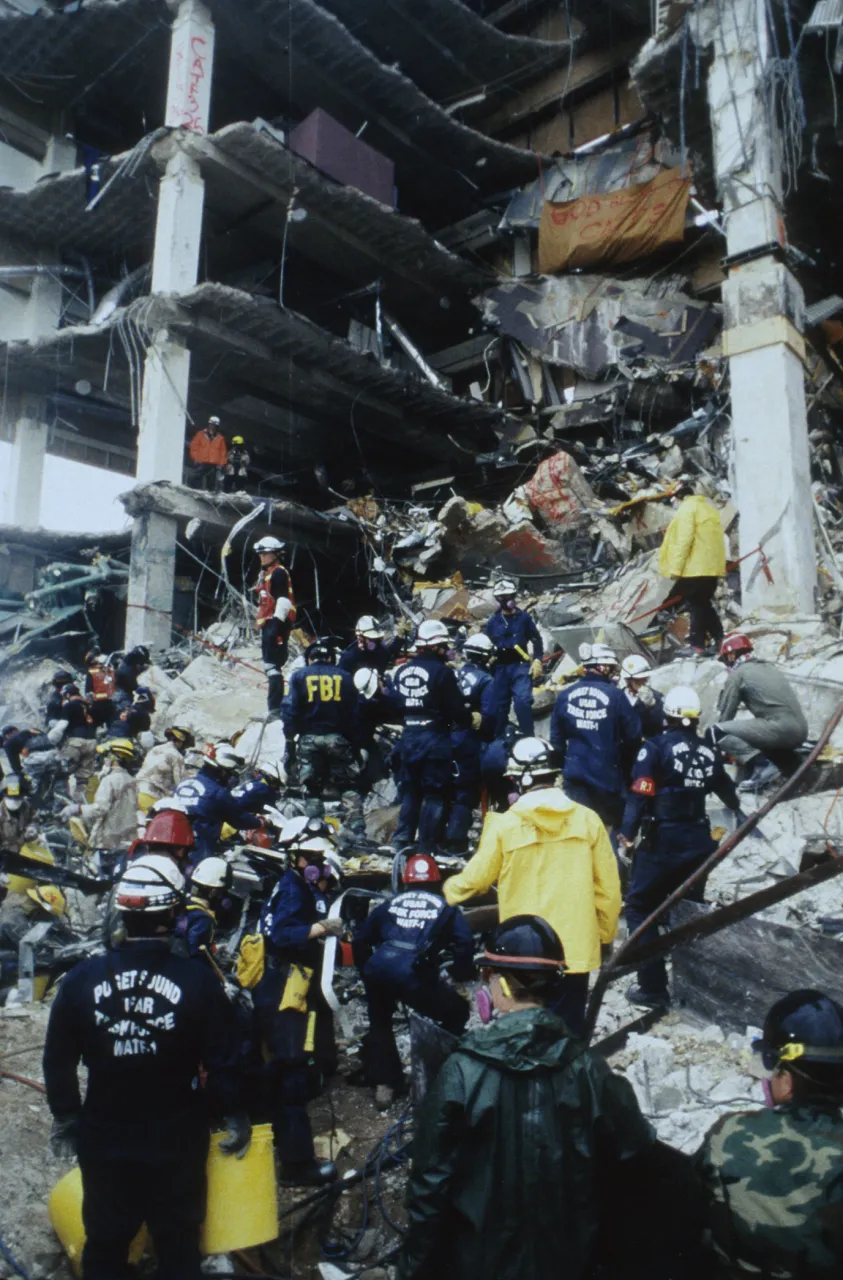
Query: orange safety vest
[
  {"x": 266, "y": 600},
  {"x": 103, "y": 682}
]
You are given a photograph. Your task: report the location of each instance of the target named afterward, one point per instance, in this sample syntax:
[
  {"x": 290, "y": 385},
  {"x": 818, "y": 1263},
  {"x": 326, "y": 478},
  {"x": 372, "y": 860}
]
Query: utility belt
[
  {"x": 398, "y": 945},
  {"x": 508, "y": 657},
  {"x": 421, "y": 722},
  {"x": 679, "y": 806}
]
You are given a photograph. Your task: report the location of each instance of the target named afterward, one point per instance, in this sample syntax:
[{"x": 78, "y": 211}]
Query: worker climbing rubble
[
  {"x": 519, "y": 650},
  {"x": 765, "y": 744},
  {"x": 276, "y": 616},
  {"x": 111, "y": 817},
  {"x": 164, "y": 766},
  {"x": 207, "y": 799},
  {"x": 671, "y": 778},
  {"x": 693, "y": 553},
  {"x": 399, "y": 950}
]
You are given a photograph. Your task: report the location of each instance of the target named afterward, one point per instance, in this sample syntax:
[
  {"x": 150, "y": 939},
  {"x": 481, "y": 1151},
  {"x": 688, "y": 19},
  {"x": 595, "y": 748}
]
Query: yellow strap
[{"x": 310, "y": 1038}]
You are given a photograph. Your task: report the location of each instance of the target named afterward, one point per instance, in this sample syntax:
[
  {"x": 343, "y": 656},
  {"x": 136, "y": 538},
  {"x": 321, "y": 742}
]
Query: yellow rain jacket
[
  {"x": 693, "y": 546},
  {"x": 552, "y": 858}
]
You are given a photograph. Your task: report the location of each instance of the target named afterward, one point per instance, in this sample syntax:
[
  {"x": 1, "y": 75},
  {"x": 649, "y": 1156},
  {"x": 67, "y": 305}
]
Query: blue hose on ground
[{"x": 13, "y": 1263}]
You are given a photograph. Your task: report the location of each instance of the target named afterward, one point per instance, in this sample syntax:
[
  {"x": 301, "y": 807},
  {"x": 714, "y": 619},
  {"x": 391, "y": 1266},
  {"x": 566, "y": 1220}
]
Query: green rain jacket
[{"x": 508, "y": 1152}]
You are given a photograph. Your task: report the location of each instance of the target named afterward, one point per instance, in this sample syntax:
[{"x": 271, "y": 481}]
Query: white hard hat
[
  {"x": 597, "y": 655},
  {"x": 368, "y": 628},
  {"x": 152, "y": 882},
  {"x": 366, "y": 682},
  {"x": 303, "y": 828},
  {"x": 504, "y": 587},
  {"x": 432, "y": 634},
  {"x": 682, "y": 703},
  {"x": 479, "y": 644},
  {"x": 268, "y": 544},
  {"x": 224, "y": 755},
  {"x": 213, "y": 420},
  {"x": 212, "y": 873},
  {"x": 529, "y": 758},
  {"x": 636, "y": 667}
]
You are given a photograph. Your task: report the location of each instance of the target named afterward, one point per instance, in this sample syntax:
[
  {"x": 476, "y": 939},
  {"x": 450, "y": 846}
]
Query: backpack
[
  {"x": 251, "y": 961},
  {"x": 103, "y": 682}
]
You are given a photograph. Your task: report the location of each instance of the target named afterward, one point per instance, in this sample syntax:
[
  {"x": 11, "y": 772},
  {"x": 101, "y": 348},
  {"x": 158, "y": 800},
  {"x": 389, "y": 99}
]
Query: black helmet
[
  {"x": 62, "y": 677},
  {"x": 803, "y": 1027},
  {"x": 525, "y": 944},
  {"x": 321, "y": 650},
  {"x": 139, "y": 654}
]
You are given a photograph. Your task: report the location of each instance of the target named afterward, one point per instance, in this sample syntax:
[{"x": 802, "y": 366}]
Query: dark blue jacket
[
  {"x": 592, "y": 722},
  {"x": 406, "y": 936},
  {"x": 322, "y": 699},
  {"x": 353, "y": 658},
  {"x": 127, "y": 675},
  {"x": 209, "y": 804},
  {"x": 287, "y": 919},
  {"x": 142, "y": 1019},
  {"x": 670, "y": 779},
  {"x": 385, "y": 708},
  {"x": 477, "y": 687},
  {"x": 255, "y": 794},
  {"x": 427, "y": 692},
  {"x": 199, "y": 928},
  {"x": 76, "y": 711},
  {"x": 54, "y": 708},
  {"x": 131, "y": 721},
  {"x": 506, "y": 631}
]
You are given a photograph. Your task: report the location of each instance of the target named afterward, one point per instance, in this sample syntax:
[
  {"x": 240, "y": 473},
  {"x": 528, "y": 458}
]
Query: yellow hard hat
[
  {"x": 122, "y": 748},
  {"x": 237, "y": 440},
  {"x": 50, "y": 897}
]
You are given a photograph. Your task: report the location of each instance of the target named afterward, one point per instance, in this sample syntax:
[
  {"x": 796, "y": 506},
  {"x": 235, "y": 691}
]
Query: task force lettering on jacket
[{"x": 413, "y": 686}]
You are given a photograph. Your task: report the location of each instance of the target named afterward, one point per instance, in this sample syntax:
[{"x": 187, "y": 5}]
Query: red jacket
[{"x": 212, "y": 449}]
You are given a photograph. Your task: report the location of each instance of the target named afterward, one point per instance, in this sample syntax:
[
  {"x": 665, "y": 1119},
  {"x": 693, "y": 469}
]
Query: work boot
[
  {"x": 648, "y": 999},
  {"x": 308, "y": 1173},
  {"x": 384, "y": 1096},
  {"x": 764, "y": 774}
]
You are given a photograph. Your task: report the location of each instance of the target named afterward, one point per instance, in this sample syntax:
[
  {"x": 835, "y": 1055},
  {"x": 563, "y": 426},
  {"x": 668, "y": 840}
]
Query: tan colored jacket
[{"x": 112, "y": 820}]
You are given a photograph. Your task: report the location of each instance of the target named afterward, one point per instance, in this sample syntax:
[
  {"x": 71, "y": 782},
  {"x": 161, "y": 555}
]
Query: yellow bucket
[
  {"x": 65, "y": 1210},
  {"x": 242, "y": 1195}
]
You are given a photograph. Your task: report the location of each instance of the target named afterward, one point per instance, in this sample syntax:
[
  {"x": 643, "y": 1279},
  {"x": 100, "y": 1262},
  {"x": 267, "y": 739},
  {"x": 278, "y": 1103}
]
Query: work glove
[
  {"x": 476, "y": 721},
  {"x": 363, "y": 755},
  {"x": 646, "y": 696},
  {"x": 238, "y": 1136},
  {"x": 70, "y": 811},
  {"x": 63, "y": 1137},
  {"x": 261, "y": 622},
  {"x": 536, "y": 669},
  {"x": 333, "y": 926},
  {"x": 403, "y": 627}
]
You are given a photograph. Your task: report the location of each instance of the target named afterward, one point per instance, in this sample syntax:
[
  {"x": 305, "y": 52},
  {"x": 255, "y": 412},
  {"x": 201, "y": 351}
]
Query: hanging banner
[{"x": 615, "y": 227}]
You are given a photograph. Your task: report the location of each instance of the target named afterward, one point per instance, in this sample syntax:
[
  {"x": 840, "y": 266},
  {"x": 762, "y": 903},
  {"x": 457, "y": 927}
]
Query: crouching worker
[
  {"x": 142, "y": 1020},
  {"x": 772, "y": 1178},
  {"x": 398, "y": 950},
  {"x": 514, "y": 1133}
]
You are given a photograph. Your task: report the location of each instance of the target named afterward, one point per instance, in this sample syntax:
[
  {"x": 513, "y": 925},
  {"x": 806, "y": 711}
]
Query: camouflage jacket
[{"x": 773, "y": 1186}]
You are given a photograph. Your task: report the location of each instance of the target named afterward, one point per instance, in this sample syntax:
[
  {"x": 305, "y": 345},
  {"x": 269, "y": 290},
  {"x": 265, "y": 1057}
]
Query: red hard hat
[
  {"x": 735, "y": 642},
  {"x": 421, "y": 869},
  {"x": 170, "y": 827},
  {"x": 260, "y": 838}
]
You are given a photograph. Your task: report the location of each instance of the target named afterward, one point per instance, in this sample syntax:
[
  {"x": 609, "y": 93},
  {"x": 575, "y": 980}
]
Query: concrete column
[
  {"x": 152, "y": 568},
  {"x": 27, "y": 470},
  {"x": 166, "y": 379},
  {"x": 763, "y": 316}
]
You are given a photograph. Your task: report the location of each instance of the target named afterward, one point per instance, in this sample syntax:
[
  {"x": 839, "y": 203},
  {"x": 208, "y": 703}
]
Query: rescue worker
[
  {"x": 17, "y": 816},
  {"x": 671, "y": 778},
  {"x": 237, "y": 466},
  {"x": 765, "y": 745},
  {"x": 134, "y": 720},
  {"x": 323, "y": 733},
  {"x": 500, "y": 790},
  {"x": 276, "y": 617},
  {"x": 100, "y": 687},
  {"x": 111, "y": 818},
  {"x": 207, "y": 799},
  {"x": 77, "y": 734},
  {"x": 169, "y": 832},
  {"x": 477, "y": 687},
  {"x": 143, "y": 1020},
  {"x": 209, "y": 882},
  {"x": 693, "y": 553},
  {"x": 511, "y": 631},
  {"x": 54, "y": 703},
  {"x": 164, "y": 767},
  {"x": 294, "y": 1022},
  {"x": 209, "y": 455},
  {"x": 369, "y": 648},
  {"x": 398, "y": 950},
  {"x": 262, "y": 789},
  {"x": 648, "y": 703},
  {"x": 22, "y": 911},
  {"x": 427, "y": 691},
  {"x": 771, "y": 1178},
  {"x": 127, "y": 676},
  {"x": 592, "y": 725},
  {"x": 549, "y": 854},
  {"x": 518, "y": 1132}
]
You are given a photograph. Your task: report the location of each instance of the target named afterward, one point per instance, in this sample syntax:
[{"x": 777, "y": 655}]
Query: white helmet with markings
[
  {"x": 432, "y": 635},
  {"x": 366, "y": 682},
  {"x": 636, "y": 667},
  {"x": 369, "y": 628},
  {"x": 150, "y": 883},
  {"x": 268, "y": 544},
  {"x": 212, "y": 873},
  {"x": 682, "y": 703}
]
